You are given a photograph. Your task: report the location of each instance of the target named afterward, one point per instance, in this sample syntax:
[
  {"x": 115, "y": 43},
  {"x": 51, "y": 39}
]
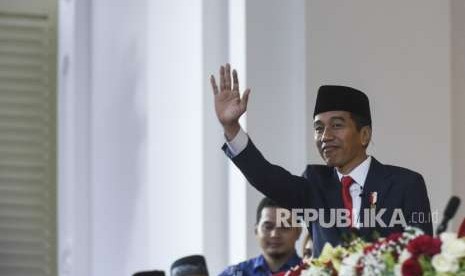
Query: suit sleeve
[
  {"x": 417, "y": 207},
  {"x": 289, "y": 191}
]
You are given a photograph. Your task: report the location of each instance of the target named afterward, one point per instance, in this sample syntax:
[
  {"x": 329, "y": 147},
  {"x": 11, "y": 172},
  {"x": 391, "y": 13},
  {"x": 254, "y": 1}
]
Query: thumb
[{"x": 245, "y": 99}]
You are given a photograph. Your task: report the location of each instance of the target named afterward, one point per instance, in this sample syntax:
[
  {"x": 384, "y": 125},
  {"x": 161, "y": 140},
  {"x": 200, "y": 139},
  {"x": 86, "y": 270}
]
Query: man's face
[
  {"x": 339, "y": 142},
  {"x": 275, "y": 242}
]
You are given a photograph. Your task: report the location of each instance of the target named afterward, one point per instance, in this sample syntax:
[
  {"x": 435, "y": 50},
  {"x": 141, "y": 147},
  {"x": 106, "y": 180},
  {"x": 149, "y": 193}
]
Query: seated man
[{"x": 277, "y": 244}]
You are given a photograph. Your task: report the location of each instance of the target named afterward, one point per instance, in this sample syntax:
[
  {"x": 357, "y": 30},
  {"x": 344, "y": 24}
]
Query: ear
[
  {"x": 255, "y": 229},
  {"x": 365, "y": 135}
]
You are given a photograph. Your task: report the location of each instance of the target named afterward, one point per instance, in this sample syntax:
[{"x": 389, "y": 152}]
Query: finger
[
  {"x": 228, "y": 77},
  {"x": 214, "y": 86},
  {"x": 245, "y": 99},
  {"x": 235, "y": 81},
  {"x": 222, "y": 86}
]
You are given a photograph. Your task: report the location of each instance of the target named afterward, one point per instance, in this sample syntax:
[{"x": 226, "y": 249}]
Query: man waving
[{"x": 351, "y": 180}]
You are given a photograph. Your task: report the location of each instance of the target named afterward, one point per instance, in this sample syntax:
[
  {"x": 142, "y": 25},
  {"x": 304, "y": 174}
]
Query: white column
[
  {"x": 74, "y": 226},
  {"x": 119, "y": 189},
  {"x": 215, "y": 176},
  {"x": 187, "y": 181},
  {"x": 237, "y": 185},
  {"x": 175, "y": 151}
]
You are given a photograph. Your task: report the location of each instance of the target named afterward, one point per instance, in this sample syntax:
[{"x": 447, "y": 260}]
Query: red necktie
[{"x": 347, "y": 181}]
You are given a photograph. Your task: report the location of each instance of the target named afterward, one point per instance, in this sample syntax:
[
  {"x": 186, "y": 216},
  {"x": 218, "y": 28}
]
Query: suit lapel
[
  {"x": 376, "y": 181},
  {"x": 334, "y": 197}
]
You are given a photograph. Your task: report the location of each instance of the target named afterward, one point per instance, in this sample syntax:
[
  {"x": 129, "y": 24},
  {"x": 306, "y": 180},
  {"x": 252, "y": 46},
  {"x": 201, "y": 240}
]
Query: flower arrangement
[{"x": 410, "y": 253}]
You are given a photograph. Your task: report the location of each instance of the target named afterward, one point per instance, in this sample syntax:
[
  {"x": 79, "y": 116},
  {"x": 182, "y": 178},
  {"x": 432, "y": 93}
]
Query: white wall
[
  {"x": 398, "y": 53},
  {"x": 458, "y": 99},
  {"x": 276, "y": 73}
]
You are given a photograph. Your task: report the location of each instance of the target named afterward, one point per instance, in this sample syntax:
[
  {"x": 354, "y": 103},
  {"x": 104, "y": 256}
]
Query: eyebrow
[{"x": 319, "y": 122}]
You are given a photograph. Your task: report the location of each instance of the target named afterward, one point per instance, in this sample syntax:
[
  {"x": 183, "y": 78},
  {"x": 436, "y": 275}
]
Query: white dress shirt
[
  {"x": 238, "y": 143},
  {"x": 358, "y": 174}
]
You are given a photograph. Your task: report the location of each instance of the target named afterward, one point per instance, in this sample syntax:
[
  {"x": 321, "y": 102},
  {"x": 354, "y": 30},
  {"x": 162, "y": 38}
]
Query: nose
[
  {"x": 327, "y": 135},
  {"x": 274, "y": 232}
]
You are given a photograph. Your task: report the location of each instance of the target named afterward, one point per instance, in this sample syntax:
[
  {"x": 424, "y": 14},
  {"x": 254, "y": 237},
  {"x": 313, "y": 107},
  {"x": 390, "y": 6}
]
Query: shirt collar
[
  {"x": 260, "y": 263},
  {"x": 359, "y": 173}
]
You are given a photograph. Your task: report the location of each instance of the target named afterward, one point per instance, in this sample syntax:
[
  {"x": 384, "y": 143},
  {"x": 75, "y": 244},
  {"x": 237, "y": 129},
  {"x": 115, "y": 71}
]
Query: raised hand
[{"x": 229, "y": 105}]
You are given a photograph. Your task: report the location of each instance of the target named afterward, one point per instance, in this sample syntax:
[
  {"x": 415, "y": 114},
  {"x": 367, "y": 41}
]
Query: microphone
[{"x": 449, "y": 213}]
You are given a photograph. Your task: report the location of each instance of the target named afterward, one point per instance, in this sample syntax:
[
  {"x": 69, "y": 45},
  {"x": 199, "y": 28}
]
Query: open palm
[{"x": 229, "y": 105}]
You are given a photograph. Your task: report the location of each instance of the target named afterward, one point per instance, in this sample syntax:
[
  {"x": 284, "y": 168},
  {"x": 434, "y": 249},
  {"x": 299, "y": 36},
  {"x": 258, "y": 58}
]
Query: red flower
[
  {"x": 394, "y": 237},
  {"x": 368, "y": 248},
  {"x": 359, "y": 268},
  {"x": 411, "y": 267},
  {"x": 424, "y": 244}
]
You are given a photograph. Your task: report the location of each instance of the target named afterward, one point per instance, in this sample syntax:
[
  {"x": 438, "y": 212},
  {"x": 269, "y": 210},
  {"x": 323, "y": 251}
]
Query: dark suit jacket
[{"x": 319, "y": 188}]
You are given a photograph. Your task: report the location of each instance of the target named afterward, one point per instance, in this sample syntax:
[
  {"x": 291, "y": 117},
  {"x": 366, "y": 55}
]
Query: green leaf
[{"x": 426, "y": 266}]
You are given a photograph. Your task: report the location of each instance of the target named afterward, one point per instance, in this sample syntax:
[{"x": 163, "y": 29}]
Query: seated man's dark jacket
[{"x": 319, "y": 188}]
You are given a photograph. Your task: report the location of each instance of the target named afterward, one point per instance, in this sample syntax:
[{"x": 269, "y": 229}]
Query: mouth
[
  {"x": 328, "y": 149},
  {"x": 274, "y": 245}
]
